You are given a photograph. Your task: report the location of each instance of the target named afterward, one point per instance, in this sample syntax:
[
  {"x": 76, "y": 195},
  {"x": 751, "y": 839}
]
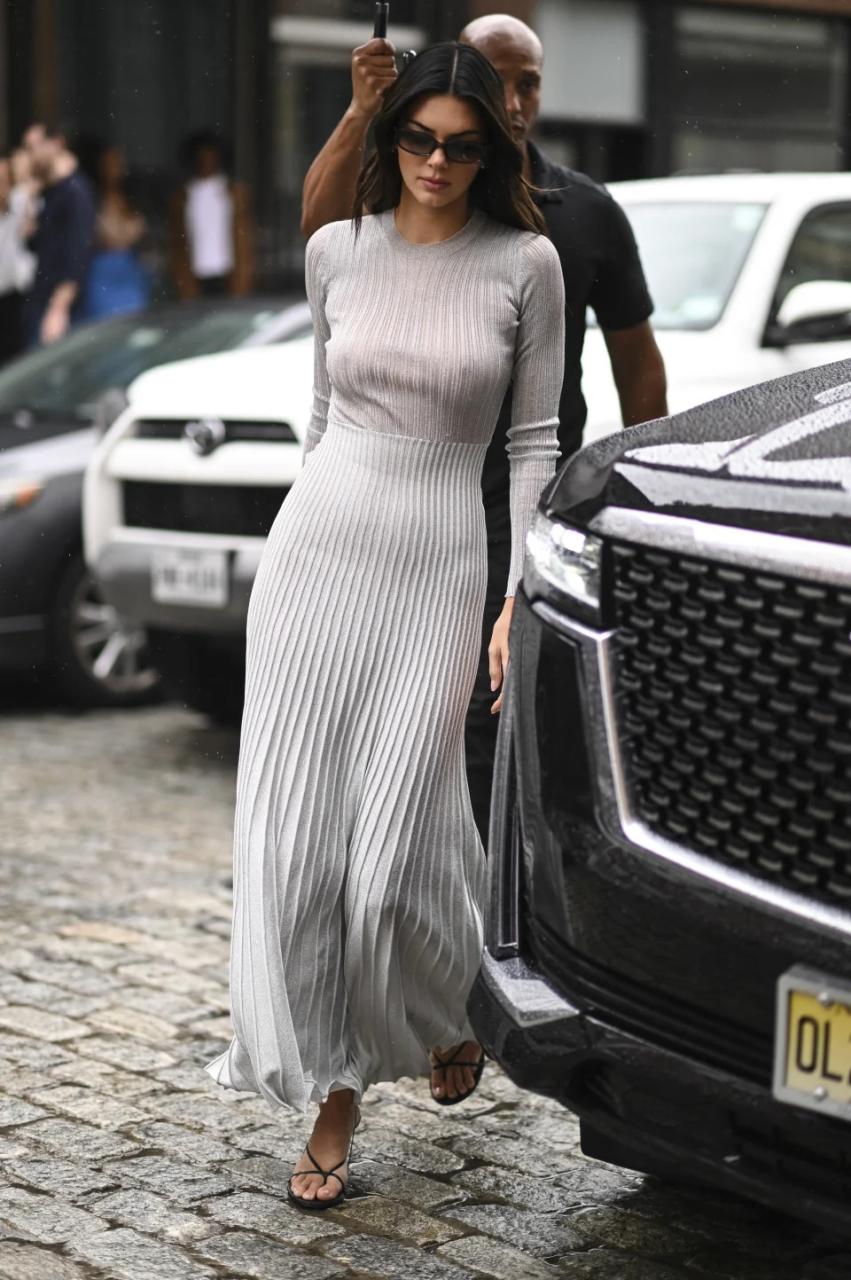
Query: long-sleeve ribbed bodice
[{"x": 423, "y": 341}]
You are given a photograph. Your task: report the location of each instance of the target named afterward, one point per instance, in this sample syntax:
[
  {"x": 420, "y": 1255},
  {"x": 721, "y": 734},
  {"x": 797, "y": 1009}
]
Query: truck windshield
[{"x": 692, "y": 254}]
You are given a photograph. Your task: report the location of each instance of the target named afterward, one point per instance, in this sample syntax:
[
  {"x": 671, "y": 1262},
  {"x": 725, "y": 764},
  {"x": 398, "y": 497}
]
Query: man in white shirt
[{"x": 211, "y": 234}]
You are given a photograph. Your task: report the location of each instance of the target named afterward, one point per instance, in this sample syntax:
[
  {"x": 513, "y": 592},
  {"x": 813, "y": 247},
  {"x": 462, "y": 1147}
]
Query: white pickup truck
[{"x": 751, "y": 276}]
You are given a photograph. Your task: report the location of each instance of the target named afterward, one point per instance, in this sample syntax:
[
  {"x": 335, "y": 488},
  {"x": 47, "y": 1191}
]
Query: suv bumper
[
  {"x": 124, "y": 570},
  {"x": 648, "y": 1109},
  {"x": 638, "y": 993}
]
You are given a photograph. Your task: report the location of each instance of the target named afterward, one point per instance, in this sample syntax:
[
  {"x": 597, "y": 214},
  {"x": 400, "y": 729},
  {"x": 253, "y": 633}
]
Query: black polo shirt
[{"x": 602, "y": 270}]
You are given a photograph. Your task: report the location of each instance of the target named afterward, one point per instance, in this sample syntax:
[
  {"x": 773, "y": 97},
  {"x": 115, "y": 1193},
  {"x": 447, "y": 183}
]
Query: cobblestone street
[{"x": 121, "y": 1159}]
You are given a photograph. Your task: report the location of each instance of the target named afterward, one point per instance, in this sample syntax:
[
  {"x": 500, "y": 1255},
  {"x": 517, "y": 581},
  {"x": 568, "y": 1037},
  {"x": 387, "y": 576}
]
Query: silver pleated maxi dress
[{"x": 358, "y": 869}]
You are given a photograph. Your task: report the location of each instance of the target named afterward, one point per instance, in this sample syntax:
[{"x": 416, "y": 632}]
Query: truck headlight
[
  {"x": 563, "y": 566},
  {"x": 17, "y": 492}
]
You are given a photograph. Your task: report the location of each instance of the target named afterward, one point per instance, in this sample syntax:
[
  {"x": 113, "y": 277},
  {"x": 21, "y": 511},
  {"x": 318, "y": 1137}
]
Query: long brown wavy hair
[{"x": 459, "y": 70}]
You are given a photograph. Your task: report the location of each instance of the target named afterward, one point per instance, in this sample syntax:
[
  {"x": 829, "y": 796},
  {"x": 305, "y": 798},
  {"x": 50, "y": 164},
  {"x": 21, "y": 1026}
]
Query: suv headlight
[
  {"x": 17, "y": 492},
  {"x": 563, "y": 566}
]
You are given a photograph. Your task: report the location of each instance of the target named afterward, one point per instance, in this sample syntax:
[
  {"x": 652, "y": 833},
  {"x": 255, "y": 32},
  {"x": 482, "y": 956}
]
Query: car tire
[
  {"x": 204, "y": 675},
  {"x": 97, "y": 658}
]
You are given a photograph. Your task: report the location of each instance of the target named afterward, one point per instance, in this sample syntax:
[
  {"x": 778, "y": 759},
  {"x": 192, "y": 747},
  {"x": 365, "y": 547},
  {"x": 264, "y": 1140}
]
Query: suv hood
[
  {"x": 775, "y": 457},
  {"x": 254, "y": 383}
]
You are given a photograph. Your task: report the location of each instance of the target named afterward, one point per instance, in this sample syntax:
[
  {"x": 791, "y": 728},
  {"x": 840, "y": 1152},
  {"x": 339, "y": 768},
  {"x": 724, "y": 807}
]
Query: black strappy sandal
[
  {"x": 444, "y": 1065},
  {"x": 316, "y": 1205}
]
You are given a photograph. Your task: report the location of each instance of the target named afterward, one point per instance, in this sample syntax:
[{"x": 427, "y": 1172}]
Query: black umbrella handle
[{"x": 382, "y": 18}]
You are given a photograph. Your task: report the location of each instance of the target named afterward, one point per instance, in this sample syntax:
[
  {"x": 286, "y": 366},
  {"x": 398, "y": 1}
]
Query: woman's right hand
[
  {"x": 373, "y": 72},
  {"x": 498, "y": 652}
]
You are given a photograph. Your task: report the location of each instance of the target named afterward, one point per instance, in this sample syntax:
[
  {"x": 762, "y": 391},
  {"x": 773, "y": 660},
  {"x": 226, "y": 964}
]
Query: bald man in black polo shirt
[{"x": 601, "y": 268}]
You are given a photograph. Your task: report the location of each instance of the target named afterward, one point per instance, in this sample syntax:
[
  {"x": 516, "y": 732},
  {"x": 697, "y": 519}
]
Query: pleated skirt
[{"x": 358, "y": 869}]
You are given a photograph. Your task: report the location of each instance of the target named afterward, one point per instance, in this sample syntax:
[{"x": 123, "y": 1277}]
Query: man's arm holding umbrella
[{"x": 329, "y": 187}]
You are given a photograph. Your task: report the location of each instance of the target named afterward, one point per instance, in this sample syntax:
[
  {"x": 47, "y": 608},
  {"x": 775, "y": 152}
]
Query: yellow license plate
[{"x": 812, "y": 1048}]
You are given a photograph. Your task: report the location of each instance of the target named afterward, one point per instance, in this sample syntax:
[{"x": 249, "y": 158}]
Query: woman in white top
[
  {"x": 17, "y": 264},
  {"x": 358, "y": 868}
]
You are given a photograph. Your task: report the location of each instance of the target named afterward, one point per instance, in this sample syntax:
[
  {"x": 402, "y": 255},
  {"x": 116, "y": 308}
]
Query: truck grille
[
  {"x": 239, "y": 510},
  {"x": 734, "y": 705}
]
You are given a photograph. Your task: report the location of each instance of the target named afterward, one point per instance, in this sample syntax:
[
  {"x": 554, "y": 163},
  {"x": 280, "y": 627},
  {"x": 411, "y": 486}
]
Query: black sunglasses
[{"x": 456, "y": 150}]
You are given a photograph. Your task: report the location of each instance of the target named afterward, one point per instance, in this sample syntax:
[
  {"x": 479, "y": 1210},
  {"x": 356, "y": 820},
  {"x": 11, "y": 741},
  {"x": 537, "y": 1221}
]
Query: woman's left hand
[{"x": 498, "y": 652}]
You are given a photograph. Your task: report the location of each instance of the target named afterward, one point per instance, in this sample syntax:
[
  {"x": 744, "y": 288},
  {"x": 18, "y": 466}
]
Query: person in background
[
  {"x": 26, "y": 191},
  {"x": 17, "y": 265},
  {"x": 117, "y": 282},
  {"x": 63, "y": 236},
  {"x": 601, "y": 268},
  {"x": 211, "y": 234}
]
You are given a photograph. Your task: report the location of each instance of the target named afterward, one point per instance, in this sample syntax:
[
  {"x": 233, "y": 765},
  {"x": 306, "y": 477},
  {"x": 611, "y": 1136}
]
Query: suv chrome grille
[{"x": 734, "y": 705}]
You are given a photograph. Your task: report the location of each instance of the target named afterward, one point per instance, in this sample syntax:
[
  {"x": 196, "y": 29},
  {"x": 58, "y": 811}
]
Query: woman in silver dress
[{"x": 358, "y": 869}]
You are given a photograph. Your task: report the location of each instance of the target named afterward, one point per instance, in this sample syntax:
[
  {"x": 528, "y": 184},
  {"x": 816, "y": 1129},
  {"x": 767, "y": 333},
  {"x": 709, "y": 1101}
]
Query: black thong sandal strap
[
  {"x": 325, "y": 1174},
  {"x": 347, "y": 1159},
  {"x": 318, "y": 1170},
  {"x": 443, "y": 1064},
  {"x": 317, "y": 1167}
]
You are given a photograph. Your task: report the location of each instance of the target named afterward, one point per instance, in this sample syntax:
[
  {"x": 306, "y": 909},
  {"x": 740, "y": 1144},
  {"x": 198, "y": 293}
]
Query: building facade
[
  {"x": 631, "y": 87},
  {"x": 679, "y": 86}
]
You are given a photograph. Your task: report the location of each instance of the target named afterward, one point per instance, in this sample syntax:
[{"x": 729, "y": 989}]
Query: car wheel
[{"x": 98, "y": 657}]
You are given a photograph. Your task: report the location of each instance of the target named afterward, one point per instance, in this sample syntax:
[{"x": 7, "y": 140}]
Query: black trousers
[
  {"x": 11, "y": 325},
  {"x": 213, "y": 286},
  {"x": 481, "y": 726}
]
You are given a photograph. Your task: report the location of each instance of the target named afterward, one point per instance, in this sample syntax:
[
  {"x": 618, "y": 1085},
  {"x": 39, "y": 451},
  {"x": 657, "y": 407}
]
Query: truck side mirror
[{"x": 817, "y": 311}]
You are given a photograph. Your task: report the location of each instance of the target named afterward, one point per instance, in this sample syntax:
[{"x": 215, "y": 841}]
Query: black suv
[{"x": 669, "y": 938}]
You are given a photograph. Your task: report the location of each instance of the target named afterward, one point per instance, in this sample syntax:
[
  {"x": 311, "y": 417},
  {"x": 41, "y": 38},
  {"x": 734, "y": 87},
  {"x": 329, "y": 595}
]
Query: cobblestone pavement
[{"x": 121, "y": 1159}]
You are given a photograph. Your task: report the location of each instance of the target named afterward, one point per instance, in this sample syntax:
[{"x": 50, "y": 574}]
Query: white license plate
[
  {"x": 190, "y": 577},
  {"x": 812, "y": 1042}
]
